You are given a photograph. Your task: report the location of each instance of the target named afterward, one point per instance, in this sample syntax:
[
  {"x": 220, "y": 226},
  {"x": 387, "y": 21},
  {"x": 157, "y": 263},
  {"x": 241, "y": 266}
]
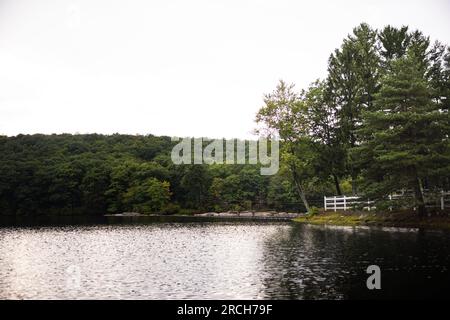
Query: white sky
[{"x": 173, "y": 67}]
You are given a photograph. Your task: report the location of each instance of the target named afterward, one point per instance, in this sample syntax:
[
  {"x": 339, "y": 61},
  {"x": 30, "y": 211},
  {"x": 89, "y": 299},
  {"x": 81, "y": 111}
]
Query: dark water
[{"x": 220, "y": 260}]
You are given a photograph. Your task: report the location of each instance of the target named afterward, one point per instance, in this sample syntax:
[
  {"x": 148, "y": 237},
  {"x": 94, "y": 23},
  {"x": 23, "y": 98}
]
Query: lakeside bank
[
  {"x": 376, "y": 219},
  {"x": 403, "y": 219},
  {"x": 209, "y": 216}
]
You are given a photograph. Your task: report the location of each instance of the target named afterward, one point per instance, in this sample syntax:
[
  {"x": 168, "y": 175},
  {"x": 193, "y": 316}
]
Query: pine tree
[
  {"x": 353, "y": 80},
  {"x": 393, "y": 44},
  {"x": 406, "y": 139}
]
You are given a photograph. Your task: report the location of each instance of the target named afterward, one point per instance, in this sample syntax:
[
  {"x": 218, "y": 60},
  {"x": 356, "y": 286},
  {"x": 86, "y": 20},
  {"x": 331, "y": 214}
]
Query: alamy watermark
[
  {"x": 374, "y": 280},
  {"x": 191, "y": 151}
]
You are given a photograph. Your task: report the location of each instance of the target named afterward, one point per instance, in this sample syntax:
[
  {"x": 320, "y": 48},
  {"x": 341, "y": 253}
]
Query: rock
[
  {"x": 246, "y": 214},
  {"x": 264, "y": 214},
  {"x": 292, "y": 214},
  {"x": 206, "y": 214},
  {"x": 226, "y": 214},
  {"x": 129, "y": 214}
]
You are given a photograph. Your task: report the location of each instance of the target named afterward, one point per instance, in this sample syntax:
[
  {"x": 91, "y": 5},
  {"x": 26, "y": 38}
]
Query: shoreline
[
  {"x": 391, "y": 219},
  {"x": 216, "y": 216},
  {"x": 396, "y": 220},
  {"x": 226, "y": 214}
]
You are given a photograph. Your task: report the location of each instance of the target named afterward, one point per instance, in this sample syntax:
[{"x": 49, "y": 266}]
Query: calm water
[{"x": 220, "y": 260}]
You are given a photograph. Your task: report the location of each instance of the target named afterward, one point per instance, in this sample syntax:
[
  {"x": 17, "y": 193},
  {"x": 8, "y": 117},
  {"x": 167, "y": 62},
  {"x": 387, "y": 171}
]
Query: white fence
[{"x": 344, "y": 203}]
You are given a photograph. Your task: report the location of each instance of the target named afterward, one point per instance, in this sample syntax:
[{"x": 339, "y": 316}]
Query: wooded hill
[{"x": 378, "y": 123}]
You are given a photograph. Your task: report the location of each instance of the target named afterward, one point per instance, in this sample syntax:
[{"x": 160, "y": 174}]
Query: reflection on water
[
  {"x": 220, "y": 260},
  {"x": 330, "y": 262}
]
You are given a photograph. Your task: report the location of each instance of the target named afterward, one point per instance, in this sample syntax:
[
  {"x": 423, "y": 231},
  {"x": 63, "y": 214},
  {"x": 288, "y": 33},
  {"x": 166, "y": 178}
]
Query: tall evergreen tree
[
  {"x": 406, "y": 135},
  {"x": 393, "y": 44},
  {"x": 353, "y": 79}
]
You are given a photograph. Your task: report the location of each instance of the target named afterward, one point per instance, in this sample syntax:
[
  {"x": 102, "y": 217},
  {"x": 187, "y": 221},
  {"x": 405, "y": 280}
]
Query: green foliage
[
  {"x": 195, "y": 185},
  {"x": 284, "y": 115},
  {"x": 98, "y": 174},
  {"x": 313, "y": 211},
  {"x": 148, "y": 196},
  {"x": 378, "y": 123},
  {"x": 245, "y": 190},
  {"x": 352, "y": 82},
  {"x": 171, "y": 208},
  {"x": 406, "y": 136}
]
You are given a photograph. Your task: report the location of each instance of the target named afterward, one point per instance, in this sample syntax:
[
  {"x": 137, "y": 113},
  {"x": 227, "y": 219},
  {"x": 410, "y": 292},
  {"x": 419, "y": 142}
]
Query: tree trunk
[
  {"x": 336, "y": 184},
  {"x": 420, "y": 202},
  {"x": 353, "y": 177},
  {"x": 354, "y": 187},
  {"x": 300, "y": 191}
]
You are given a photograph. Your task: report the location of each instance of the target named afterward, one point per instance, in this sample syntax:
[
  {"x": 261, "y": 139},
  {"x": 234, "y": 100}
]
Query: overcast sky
[{"x": 173, "y": 67}]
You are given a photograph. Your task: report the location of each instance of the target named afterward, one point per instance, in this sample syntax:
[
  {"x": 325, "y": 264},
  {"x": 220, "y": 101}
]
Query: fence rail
[{"x": 344, "y": 202}]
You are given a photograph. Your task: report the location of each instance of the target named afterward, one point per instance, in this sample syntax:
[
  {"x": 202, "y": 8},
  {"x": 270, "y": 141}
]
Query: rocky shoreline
[
  {"x": 250, "y": 214},
  {"x": 227, "y": 214}
]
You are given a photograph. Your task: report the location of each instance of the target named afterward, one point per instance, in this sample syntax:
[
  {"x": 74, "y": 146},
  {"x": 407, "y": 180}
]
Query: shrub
[
  {"x": 171, "y": 208},
  {"x": 313, "y": 211}
]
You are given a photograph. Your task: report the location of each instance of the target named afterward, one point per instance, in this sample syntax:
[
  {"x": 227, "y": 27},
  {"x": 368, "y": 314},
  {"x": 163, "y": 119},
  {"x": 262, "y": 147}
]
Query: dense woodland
[
  {"x": 379, "y": 120},
  {"x": 97, "y": 174},
  {"x": 378, "y": 123}
]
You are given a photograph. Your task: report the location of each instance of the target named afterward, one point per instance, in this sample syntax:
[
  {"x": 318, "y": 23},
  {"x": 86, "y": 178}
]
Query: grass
[{"x": 407, "y": 219}]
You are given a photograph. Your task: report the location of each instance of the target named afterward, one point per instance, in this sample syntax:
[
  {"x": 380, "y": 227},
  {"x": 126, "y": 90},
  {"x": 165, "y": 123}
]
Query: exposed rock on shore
[
  {"x": 262, "y": 214},
  {"x": 126, "y": 214}
]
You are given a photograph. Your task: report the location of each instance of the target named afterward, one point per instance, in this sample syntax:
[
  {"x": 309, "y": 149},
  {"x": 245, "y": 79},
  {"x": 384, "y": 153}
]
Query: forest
[
  {"x": 97, "y": 174},
  {"x": 376, "y": 124}
]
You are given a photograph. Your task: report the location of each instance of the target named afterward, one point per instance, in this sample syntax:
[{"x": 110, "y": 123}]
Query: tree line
[
  {"x": 94, "y": 174},
  {"x": 378, "y": 120},
  {"x": 378, "y": 123}
]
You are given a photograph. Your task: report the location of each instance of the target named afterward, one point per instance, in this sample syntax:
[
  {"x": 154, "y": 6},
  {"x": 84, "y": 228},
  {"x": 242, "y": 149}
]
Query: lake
[{"x": 219, "y": 260}]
